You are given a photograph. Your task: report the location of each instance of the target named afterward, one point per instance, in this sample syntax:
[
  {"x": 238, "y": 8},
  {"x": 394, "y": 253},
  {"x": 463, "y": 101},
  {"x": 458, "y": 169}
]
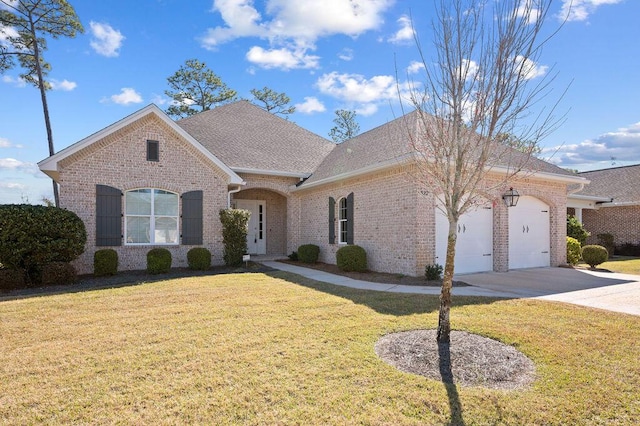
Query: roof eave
[{"x": 278, "y": 173}]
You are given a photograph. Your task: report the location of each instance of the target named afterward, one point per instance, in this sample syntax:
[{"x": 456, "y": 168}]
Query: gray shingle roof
[
  {"x": 620, "y": 183},
  {"x": 390, "y": 142},
  {"x": 245, "y": 136}
]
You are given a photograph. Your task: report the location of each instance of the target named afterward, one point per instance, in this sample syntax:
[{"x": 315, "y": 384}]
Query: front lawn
[
  {"x": 623, "y": 265},
  {"x": 280, "y": 349}
]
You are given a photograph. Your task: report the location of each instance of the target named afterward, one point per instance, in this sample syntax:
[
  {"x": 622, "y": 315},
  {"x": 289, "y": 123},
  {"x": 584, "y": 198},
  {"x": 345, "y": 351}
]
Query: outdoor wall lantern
[{"x": 511, "y": 197}]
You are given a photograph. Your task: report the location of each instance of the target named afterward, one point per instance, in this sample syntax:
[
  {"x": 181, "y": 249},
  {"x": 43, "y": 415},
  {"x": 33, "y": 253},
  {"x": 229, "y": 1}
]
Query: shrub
[
  {"x": 33, "y": 236},
  {"x": 158, "y": 261},
  {"x": 199, "y": 258},
  {"x": 594, "y": 255},
  {"x": 293, "y": 256},
  {"x": 234, "y": 235},
  {"x": 628, "y": 249},
  {"x": 11, "y": 279},
  {"x": 607, "y": 241},
  {"x": 58, "y": 273},
  {"x": 576, "y": 230},
  {"x": 308, "y": 253},
  {"x": 351, "y": 258},
  {"x": 574, "y": 251},
  {"x": 105, "y": 262},
  {"x": 433, "y": 272}
]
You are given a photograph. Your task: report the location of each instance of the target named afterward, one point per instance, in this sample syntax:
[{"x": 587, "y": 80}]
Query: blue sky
[{"x": 322, "y": 54}]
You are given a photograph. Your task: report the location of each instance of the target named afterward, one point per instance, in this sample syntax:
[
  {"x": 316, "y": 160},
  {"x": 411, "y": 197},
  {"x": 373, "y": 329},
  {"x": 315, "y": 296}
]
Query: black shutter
[
  {"x": 350, "y": 218},
  {"x": 192, "y": 218},
  {"x": 332, "y": 220},
  {"x": 108, "y": 216}
]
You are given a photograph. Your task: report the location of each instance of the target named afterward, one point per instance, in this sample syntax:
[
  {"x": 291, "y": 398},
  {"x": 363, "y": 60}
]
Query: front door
[{"x": 257, "y": 230}]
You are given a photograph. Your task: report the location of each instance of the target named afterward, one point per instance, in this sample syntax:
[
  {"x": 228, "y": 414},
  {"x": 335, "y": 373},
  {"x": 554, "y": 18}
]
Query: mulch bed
[
  {"x": 469, "y": 360},
  {"x": 372, "y": 276}
]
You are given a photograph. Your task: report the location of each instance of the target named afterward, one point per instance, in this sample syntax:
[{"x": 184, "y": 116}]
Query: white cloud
[
  {"x": 405, "y": 34},
  {"x": 12, "y": 185},
  {"x": 346, "y": 54},
  {"x": 287, "y": 23},
  {"x": 530, "y": 69},
  {"x": 18, "y": 82},
  {"x": 64, "y": 85},
  {"x": 281, "y": 58},
  {"x": 159, "y": 100},
  {"x": 106, "y": 41},
  {"x": 21, "y": 166},
  {"x": 579, "y": 10},
  {"x": 5, "y": 33},
  {"x": 310, "y": 105},
  {"x": 415, "y": 67},
  {"x": 126, "y": 96},
  {"x": 6, "y": 143},
  {"x": 621, "y": 145}
]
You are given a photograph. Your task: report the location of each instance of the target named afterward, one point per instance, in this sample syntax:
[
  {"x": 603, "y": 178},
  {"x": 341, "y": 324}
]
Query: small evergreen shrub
[
  {"x": 58, "y": 273},
  {"x": 199, "y": 258},
  {"x": 607, "y": 241},
  {"x": 158, "y": 261},
  {"x": 574, "y": 251},
  {"x": 11, "y": 279},
  {"x": 576, "y": 230},
  {"x": 594, "y": 255},
  {"x": 308, "y": 253},
  {"x": 351, "y": 258},
  {"x": 105, "y": 262},
  {"x": 628, "y": 249},
  {"x": 433, "y": 272},
  {"x": 293, "y": 256},
  {"x": 234, "y": 235}
]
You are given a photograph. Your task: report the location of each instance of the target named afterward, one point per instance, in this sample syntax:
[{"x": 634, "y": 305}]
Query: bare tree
[
  {"x": 25, "y": 23},
  {"x": 481, "y": 85}
]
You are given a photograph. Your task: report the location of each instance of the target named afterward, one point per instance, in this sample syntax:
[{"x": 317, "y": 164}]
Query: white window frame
[
  {"x": 342, "y": 220},
  {"x": 152, "y": 219}
]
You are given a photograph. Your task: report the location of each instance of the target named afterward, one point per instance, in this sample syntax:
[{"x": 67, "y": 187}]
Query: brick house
[
  {"x": 149, "y": 181},
  {"x": 609, "y": 204}
]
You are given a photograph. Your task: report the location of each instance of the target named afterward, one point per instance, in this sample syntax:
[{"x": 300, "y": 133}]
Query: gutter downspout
[
  {"x": 580, "y": 188},
  {"x": 232, "y": 191}
]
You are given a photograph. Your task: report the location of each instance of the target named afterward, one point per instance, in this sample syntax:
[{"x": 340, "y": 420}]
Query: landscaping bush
[
  {"x": 105, "y": 262},
  {"x": 576, "y": 230},
  {"x": 11, "y": 279},
  {"x": 574, "y": 251},
  {"x": 293, "y": 256},
  {"x": 628, "y": 249},
  {"x": 351, "y": 258},
  {"x": 234, "y": 235},
  {"x": 58, "y": 273},
  {"x": 594, "y": 255},
  {"x": 433, "y": 272},
  {"x": 158, "y": 261},
  {"x": 607, "y": 241},
  {"x": 199, "y": 258},
  {"x": 33, "y": 236},
  {"x": 308, "y": 253}
]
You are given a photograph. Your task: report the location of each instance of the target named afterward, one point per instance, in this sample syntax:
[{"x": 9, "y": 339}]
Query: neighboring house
[
  {"x": 610, "y": 204},
  {"x": 148, "y": 181}
]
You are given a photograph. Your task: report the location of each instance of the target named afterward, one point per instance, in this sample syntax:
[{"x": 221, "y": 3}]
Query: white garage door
[
  {"x": 529, "y": 239},
  {"x": 474, "y": 248}
]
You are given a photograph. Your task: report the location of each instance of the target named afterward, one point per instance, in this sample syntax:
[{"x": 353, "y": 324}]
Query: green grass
[
  {"x": 624, "y": 265},
  {"x": 281, "y": 349}
]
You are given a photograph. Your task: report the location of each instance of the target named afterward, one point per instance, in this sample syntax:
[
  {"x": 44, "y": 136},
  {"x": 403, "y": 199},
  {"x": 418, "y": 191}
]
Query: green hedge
[
  {"x": 199, "y": 258},
  {"x": 576, "y": 230},
  {"x": 33, "y": 236},
  {"x": 234, "y": 235},
  {"x": 105, "y": 262},
  {"x": 58, "y": 273},
  {"x": 352, "y": 258},
  {"x": 574, "y": 251},
  {"x": 158, "y": 261},
  {"x": 308, "y": 253},
  {"x": 11, "y": 279},
  {"x": 594, "y": 255}
]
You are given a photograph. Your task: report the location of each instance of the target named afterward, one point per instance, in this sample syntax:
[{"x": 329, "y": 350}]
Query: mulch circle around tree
[{"x": 469, "y": 360}]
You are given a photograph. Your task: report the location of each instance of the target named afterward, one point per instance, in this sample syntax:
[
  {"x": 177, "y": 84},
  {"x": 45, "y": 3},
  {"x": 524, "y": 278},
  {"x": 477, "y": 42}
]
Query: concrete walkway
[{"x": 603, "y": 290}]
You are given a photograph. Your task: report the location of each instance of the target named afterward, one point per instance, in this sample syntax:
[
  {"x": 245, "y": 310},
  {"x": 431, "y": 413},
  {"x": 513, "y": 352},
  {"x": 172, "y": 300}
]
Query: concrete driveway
[{"x": 604, "y": 290}]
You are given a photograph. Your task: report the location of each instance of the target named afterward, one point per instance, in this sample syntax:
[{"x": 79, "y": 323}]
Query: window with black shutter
[
  {"x": 153, "y": 150},
  {"x": 332, "y": 220},
  {"x": 192, "y": 218},
  {"x": 108, "y": 216}
]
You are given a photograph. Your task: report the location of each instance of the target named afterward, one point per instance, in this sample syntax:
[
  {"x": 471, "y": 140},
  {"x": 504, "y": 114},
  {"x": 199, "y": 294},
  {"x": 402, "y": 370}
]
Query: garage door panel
[{"x": 529, "y": 238}]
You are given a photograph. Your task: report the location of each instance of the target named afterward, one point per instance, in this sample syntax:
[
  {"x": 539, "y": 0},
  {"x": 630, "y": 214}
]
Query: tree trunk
[
  {"x": 444, "y": 324},
  {"x": 45, "y": 107}
]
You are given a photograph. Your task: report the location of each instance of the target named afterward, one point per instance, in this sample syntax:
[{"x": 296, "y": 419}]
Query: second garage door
[{"x": 529, "y": 239}]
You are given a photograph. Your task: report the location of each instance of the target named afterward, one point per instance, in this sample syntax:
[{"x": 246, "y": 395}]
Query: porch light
[{"x": 511, "y": 197}]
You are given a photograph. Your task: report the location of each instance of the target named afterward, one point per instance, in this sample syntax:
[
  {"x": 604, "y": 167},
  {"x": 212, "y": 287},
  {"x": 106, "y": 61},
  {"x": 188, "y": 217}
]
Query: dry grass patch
[
  {"x": 623, "y": 265},
  {"x": 281, "y": 349}
]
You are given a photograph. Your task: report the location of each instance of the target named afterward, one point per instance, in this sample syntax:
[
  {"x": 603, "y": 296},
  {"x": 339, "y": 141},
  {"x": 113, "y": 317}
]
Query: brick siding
[{"x": 622, "y": 222}]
